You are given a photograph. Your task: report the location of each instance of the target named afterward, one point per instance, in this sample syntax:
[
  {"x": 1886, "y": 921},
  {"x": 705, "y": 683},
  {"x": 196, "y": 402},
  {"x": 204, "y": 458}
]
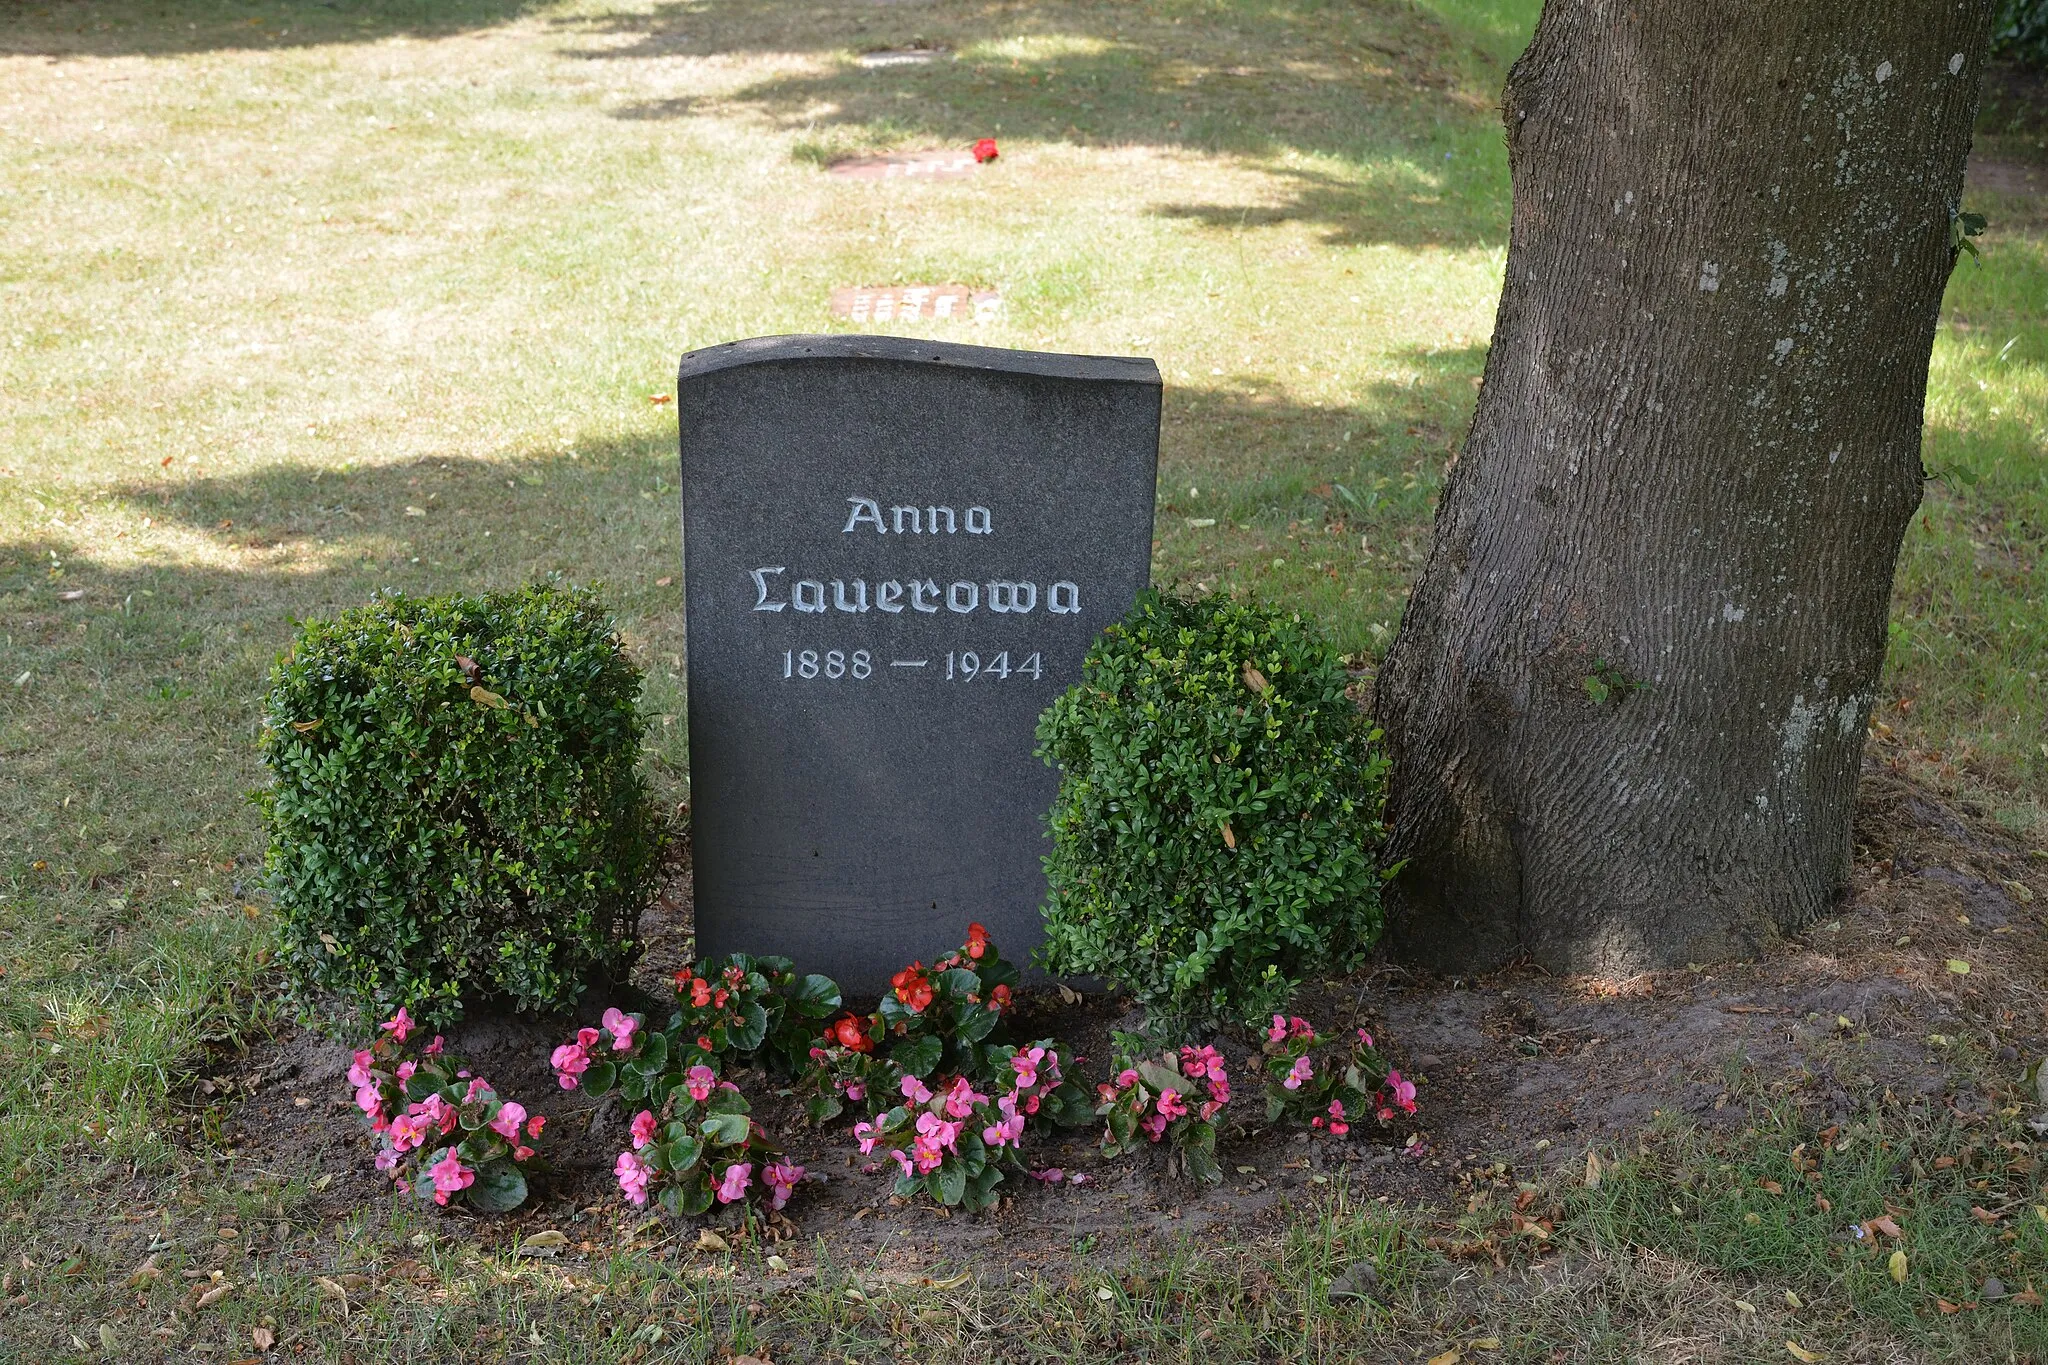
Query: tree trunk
[{"x": 1628, "y": 698}]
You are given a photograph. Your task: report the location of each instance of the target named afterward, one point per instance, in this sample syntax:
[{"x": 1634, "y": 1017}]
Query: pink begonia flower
[
  {"x": 370, "y": 1100},
  {"x": 1126, "y": 1078},
  {"x": 1298, "y": 1027},
  {"x": 434, "y": 1048},
  {"x": 1300, "y": 1072},
  {"x": 1171, "y": 1105},
  {"x": 1154, "y": 1126},
  {"x": 359, "y": 1072},
  {"x": 856, "y": 1092},
  {"x": 1031, "y": 1103},
  {"x": 1219, "y": 1084},
  {"x": 1080, "y": 1178},
  {"x": 507, "y": 1120},
  {"x": 781, "y": 1180},
  {"x": 633, "y": 1174},
  {"x": 477, "y": 1088},
  {"x": 1402, "y": 1089},
  {"x": 700, "y": 1081},
  {"x": 569, "y": 1061},
  {"x": 914, "y": 1091},
  {"x": 534, "y": 1125},
  {"x": 1025, "y": 1064},
  {"x": 522, "y": 1152},
  {"x": 1365, "y": 1038},
  {"x": 961, "y": 1099},
  {"x": 1278, "y": 1032},
  {"x": 408, "y": 1131},
  {"x": 936, "y": 1128},
  {"x": 1010, "y": 1130},
  {"x": 450, "y": 1176},
  {"x": 1338, "y": 1127},
  {"x": 1209, "y": 1109},
  {"x": 734, "y": 1186},
  {"x": 620, "y": 1027},
  {"x": 1051, "y": 1175},
  {"x": 903, "y": 1160},
  {"x": 643, "y": 1129},
  {"x": 398, "y": 1025},
  {"x": 1196, "y": 1063},
  {"x": 440, "y": 1113},
  {"x": 387, "y": 1161},
  {"x": 864, "y": 1133},
  {"x": 586, "y": 1038},
  {"x": 406, "y": 1070}
]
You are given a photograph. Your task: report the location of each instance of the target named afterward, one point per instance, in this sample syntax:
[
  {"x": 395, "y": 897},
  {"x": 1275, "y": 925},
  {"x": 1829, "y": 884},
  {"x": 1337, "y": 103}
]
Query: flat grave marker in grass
[
  {"x": 916, "y": 303},
  {"x": 901, "y": 56},
  {"x": 938, "y": 163},
  {"x": 896, "y": 555}
]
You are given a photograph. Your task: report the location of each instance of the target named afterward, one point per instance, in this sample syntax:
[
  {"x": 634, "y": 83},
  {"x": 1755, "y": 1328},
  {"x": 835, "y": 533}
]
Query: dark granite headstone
[{"x": 896, "y": 554}]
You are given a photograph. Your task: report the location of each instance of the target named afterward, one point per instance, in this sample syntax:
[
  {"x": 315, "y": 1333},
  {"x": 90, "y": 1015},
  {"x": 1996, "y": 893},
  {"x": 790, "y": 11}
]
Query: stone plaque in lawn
[
  {"x": 936, "y": 164},
  {"x": 915, "y": 303},
  {"x": 896, "y": 554}
]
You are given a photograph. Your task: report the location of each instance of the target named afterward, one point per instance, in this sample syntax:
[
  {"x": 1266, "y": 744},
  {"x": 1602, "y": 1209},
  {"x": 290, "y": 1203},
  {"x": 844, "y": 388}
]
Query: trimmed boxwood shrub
[
  {"x": 455, "y": 814},
  {"x": 1216, "y": 832},
  {"x": 2019, "y": 31}
]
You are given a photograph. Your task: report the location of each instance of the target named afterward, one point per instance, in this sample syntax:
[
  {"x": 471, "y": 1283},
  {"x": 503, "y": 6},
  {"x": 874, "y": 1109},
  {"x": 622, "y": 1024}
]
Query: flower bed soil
[{"x": 1517, "y": 1067}]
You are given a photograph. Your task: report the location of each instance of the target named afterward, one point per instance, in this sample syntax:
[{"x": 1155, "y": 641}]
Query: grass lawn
[{"x": 303, "y": 300}]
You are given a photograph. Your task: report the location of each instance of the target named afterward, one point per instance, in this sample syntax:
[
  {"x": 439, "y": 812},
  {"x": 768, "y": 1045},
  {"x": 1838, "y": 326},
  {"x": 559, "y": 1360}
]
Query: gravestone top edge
[{"x": 838, "y": 346}]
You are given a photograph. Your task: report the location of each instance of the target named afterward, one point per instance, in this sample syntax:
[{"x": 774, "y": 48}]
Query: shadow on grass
[
  {"x": 1399, "y": 119},
  {"x": 168, "y": 28}
]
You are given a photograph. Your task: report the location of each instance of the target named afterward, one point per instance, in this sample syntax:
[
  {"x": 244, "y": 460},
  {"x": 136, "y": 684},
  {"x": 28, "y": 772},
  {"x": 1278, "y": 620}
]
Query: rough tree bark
[{"x": 1628, "y": 698}]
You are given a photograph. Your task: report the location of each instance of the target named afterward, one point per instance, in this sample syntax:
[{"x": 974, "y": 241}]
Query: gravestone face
[{"x": 896, "y": 555}]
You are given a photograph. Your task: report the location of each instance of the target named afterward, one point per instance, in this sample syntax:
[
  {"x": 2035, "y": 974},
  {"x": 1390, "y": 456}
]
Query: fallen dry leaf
[
  {"x": 483, "y": 696},
  {"x": 1946, "y": 1307},
  {"x": 1798, "y": 1352},
  {"x": 214, "y": 1295},
  {"x": 1897, "y": 1266},
  {"x": 1883, "y": 1223},
  {"x": 145, "y": 1272},
  {"x": 664, "y": 582},
  {"x": 1958, "y": 966},
  {"x": 1229, "y": 835},
  {"x": 951, "y": 1281},
  {"x": 1449, "y": 1357},
  {"x": 1254, "y": 679},
  {"x": 707, "y": 1240},
  {"x": 1592, "y": 1169},
  {"x": 543, "y": 1243},
  {"x": 1984, "y": 1215},
  {"x": 262, "y": 1338},
  {"x": 661, "y": 398},
  {"x": 2029, "y": 1296},
  {"x": 1770, "y": 1187}
]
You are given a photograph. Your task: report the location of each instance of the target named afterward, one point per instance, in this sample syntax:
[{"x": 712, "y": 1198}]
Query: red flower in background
[
  {"x": 985, "y": 150},
  {"x": 999, "y": 999},
  {"x": 977, "y": 941},
  {"x": 912, "y": 989}
]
